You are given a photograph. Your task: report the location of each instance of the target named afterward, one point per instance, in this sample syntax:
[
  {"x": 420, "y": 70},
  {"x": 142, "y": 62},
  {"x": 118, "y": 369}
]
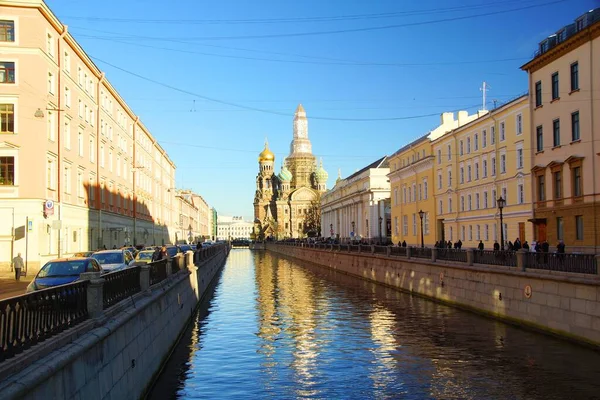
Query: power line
[
  {"x": 261, "y": 109},
  {"x": 353, "y": 30},
  {"x": 351, "y": 17}
]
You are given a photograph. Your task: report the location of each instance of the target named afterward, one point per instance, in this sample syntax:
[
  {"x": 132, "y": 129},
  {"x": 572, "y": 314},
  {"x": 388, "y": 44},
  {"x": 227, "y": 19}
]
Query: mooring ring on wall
[{"x": 528, "y": 291}]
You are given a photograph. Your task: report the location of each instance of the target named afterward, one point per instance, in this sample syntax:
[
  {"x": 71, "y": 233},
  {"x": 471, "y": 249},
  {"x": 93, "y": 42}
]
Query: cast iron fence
[
  {"x": 158, "y": 271},
  {"x": 420, "y": 252},
  {"x": 493, "y": 257},
  {"x": 380, "y": 249},
  {"x": 452, "y": 255},
  {"x": 565, "y": 262},
  {"x": 120, "y": 285},
  {"x": 34, "y": 317},
  {"x": 398, "y": 251}
]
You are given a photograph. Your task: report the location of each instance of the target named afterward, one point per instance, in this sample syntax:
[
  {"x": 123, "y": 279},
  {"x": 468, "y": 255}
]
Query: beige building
[
  {"x": 78, "y": 169},
  {"x": 352, "y": 208},
  {"x": 474, "y": 165},
  {"x": 564, "y": 86},
  {"x": 231, "y": 228},
  {"x": 192, "y": 223}
]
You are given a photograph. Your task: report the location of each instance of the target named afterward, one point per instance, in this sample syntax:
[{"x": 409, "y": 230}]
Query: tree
[{"x": 312, "y": 220}]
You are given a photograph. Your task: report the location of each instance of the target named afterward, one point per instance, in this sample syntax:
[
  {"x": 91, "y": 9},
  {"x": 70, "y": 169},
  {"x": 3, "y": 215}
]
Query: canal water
[{"x": 278, "y": 329}]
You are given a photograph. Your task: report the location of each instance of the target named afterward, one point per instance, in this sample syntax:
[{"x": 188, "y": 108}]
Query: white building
[
  {"x": 355, "y": 204},
  {"x": 230, "y": 228}
]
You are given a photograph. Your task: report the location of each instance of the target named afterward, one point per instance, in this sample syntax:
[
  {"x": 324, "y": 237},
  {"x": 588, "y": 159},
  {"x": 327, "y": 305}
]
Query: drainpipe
[
  {"x": 97, "y": 189},
  {"x": 134, "y": 171},
  {"x": 58, "y": 135},
  {"x": 593, "y": 144}
]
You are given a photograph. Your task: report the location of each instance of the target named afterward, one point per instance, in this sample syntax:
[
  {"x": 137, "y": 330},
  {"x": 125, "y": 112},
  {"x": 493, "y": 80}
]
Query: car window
[
  {"x": 109, "y": 258},
  {"x": 62, "y": 268},
  {"x": 144, "y": 255}
]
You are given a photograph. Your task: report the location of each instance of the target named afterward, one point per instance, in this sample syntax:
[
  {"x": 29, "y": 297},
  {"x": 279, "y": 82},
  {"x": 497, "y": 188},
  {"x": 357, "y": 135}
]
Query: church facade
[{"x": 287, "y": 204}]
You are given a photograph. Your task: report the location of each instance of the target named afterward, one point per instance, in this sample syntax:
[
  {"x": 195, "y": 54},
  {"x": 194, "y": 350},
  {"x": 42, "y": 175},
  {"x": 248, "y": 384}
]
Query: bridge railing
[
  {"x": 522, "y": 260},
  {"x": 34, "y": 317},
  {"x": 120, "y": 285}
]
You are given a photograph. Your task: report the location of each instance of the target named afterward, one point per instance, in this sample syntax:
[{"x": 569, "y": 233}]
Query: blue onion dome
[
  {"x": 321, "y": 174},
  {"x": 285, "y": 175}
]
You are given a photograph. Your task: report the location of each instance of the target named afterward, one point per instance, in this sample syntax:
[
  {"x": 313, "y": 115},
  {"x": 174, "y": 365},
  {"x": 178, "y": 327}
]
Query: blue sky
[{"x": 394, "y": 65}]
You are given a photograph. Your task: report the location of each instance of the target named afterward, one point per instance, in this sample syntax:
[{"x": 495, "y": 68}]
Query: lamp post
[
  {"x": 331, "y": 229},
  {"x": 501, "y": 204},
  {"x": 353, "y": 234},
  {"x": 421, "y": 214},
  {"x": 380, "y": 220}
]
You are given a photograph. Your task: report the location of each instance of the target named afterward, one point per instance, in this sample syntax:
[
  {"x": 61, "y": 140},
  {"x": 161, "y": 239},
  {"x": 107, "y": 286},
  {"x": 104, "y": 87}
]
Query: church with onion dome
[{"x": 284, "y": 203}]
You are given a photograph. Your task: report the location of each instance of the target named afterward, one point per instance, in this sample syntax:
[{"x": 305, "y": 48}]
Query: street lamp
[
  {"x": 501, "y": 204},
  {"x": 353, "y": 234},
  {"x": 331, "y": 229},
  {"x": 421, "y": 214},
  {"x": 380, "y": 220}
]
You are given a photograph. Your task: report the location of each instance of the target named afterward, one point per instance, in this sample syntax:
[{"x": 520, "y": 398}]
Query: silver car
[{"x": 113, "y": 260}]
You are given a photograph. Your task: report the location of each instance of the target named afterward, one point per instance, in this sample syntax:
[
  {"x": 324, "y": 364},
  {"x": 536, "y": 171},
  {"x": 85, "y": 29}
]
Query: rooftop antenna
[
  {"x": 193, "y": 106},
  {"x": 485, "y": 87},
  {"x": 495, "y": 102}
]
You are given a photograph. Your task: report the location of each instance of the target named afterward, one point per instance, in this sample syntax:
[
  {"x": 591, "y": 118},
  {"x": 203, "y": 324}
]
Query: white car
[{"x": 113, "y": 260}]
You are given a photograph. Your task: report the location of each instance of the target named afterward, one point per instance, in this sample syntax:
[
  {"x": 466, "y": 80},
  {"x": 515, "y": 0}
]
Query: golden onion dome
[{"x": 266, "y": 154}]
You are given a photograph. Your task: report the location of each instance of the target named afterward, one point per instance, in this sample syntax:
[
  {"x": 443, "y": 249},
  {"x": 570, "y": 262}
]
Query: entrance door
[
  {"x": 522, "y": 232},
  {"x": 541, "y": 232},
  {"x": 440, "y": 230}
]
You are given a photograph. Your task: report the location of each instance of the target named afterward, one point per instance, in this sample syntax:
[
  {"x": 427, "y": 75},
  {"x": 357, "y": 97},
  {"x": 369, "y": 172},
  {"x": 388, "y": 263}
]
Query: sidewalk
[{"x": 10, "y": 288}]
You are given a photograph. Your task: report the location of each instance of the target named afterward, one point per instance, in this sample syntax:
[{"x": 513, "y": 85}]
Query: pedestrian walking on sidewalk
[{"x": 18, "y": 266}]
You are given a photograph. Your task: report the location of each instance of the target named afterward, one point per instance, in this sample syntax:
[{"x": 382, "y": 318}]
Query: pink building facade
[{"x": 78, "y": 169}]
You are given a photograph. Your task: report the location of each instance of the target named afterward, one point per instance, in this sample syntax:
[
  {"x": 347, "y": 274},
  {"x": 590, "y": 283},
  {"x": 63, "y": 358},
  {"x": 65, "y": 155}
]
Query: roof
[
  {"x": 412, "y": 144},
  {"x": 381, "y": 163}
]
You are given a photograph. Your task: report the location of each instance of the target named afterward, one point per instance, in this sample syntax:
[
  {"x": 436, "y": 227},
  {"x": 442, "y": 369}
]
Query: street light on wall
[
  {"x": 421, "y": 214},
  {"x": 501, "y": 204},
  {"x": 380, "y": 221}
]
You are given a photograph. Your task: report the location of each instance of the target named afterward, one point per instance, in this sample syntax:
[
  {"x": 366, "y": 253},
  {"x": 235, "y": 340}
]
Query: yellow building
[
  {"x": 411, "y": 179},
  {"x": 478, "y": 163}
]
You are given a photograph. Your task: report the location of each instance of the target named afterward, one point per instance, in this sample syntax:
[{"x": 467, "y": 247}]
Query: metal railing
[
  {"x": 32, "y": 318},
  {"x": 420, "y": 252},
  {"x": 380, "y": 249},
  {"x": 495, "y": 257},
  {"x": 398, "y": 251},
  {"x": 452, "y": 255},
  {"x": 158, "y": 271},
  {"x": 564, "y": 262},
  {"x": 120, "y": 285}
]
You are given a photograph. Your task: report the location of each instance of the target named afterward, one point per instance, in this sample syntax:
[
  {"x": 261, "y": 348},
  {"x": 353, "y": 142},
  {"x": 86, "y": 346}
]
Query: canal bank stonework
[{"x": 564, "y": 305}]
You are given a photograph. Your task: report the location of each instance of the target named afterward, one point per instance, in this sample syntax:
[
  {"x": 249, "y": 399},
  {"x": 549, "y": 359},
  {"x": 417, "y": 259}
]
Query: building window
[
  {"x": 520, "y": 194},
  {"x": 541, "y": 187},
  {"x": 449, "y": 152},
  {"x": 79, "y": 184},
  {"x": 485, "y": 168},
  {"x": 539, "y": 135},
  {"x": 439, "y": 156},
  {"x": 556, "y": 132},
  {"x": 476, "y": 171},
  {"x": 67, "y": 180},
  {"x": 92, "y": 152},
  {"x": 7, "y": 118},
  {"x": 476, "y": 142},
  {"x": 579, "y": 227},
  {"x": 555, "y": 93},
  {"x": 477, "y": 201},
  {"x": 7, "y": 171},
  {"x": 396, "y": 226},
  {"x": 575, "y": 135},
  {"x": 502, "y": 163},
  {"x": 468, "y": 173},
  {"x": 50, "y": 45},
  {"x": 67, "y": 97},
  {"x": 519, "y": 158},
  {"x": 395, "y": 196},
  {"x": 468, "y": 145},
  {"x": 494, "y": 199},
  {"x": 470, "y": 232},
  {"x": 574, "y": 76},
  {"x": 425, "y": 190},
  {"x": 461, "y": 148},
  {"x": 486, "y": 232},
  {"x": 67, "y": 61},
  {"x": 505, "y": 195},
  {"x": 426, "y": 224},
  {"x": 449, "y": 178},
  {"x": 493, "y": 166},
  {"x": 493, "y": 135},
  {"x": 449, "y": 205},
  {"x": 405, "y": 225},
  {"x": 50, "y": 126},
  {"x": 462, "y": 203},
  {"x": 484, "y": 139},
  {"x": 7, "y": 31},
  {"x": 67, "y": 133},
  {"x": 519, "y": 124},
  {"x": 557, "y": 185},
  {"x": 50, "y": 174},
  {"x": 502, "y": 132},
  {"x": 577, "y": 183},
  {"x": 7, "y": 72},
  {"x": 439, "y": 181},
  {"x": 478, "y": 232},
  {"x": 441, "y": 207},
  {"x": 463, "y": 233},
  {"x": 462, "y": 175},
  {"x": 79, "y": 76},
  {"x": 414, "y": 224},
  {"x": 469, "y": 203},
  {"x": 559, "y": 228},
  {"x": 451, "y": 232},
  {"x": 485, "y": 199},
  {"x": 50, "y": 83},
  {"x": 538, "y": 93},
  {"x": 80, "y": 143}
]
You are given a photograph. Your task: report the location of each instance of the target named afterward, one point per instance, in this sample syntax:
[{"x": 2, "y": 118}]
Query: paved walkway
[{"x": 10, "y": 288}]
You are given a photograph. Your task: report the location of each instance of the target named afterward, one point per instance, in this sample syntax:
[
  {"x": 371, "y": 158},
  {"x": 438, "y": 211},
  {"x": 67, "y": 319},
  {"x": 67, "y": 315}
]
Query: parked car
[
  {"x": 206, "y": 244},
  {"x": 62, "y": 271},
  {"x": 143, "y": 257},
  {"x": 131, "y": 249},
  {"x": 172, "y": 250},
  {"x": 85, "y": 254},
  {"x": 113, "y": 260},
  {"x": 185, "y": 247}
]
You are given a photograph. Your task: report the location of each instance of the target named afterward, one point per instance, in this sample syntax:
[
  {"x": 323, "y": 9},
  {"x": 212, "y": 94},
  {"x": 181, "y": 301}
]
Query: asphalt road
[{"x": 10, "y": 288}]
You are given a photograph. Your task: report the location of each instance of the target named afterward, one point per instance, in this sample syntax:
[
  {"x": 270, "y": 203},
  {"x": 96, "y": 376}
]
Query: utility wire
[
  {"x": 352, "y": 30},
  {"x": 351, "y": 17},
  {"x": 215, "y": 100}
]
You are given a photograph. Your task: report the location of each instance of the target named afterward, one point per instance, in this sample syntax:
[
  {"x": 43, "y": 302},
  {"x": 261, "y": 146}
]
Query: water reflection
[{"x": 281, "y": 330}]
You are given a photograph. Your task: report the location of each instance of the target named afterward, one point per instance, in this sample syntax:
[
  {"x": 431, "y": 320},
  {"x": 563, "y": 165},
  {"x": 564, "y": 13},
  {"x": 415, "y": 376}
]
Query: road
[{"x": 10, "y": 288}]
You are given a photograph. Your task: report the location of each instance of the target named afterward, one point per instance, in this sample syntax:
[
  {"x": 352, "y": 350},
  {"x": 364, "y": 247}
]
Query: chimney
[
  {"x": 447, "y": 118},
  {"x": 462, "y": 117}
]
